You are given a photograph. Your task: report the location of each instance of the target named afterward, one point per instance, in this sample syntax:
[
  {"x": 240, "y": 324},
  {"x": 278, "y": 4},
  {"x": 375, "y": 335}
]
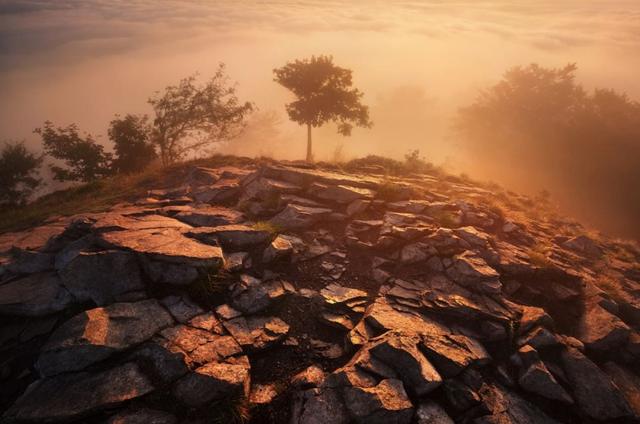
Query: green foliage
[
  {"x": 189, "y": 117},
  {"x": 412, "y": 163},
  {"x": 131, "y": 140},
  {"x": 85, "y": 160},
  {"x": 324, "y": 93},
  {"x": 554, "y": 133},
  {"x": 18, "y": 174}
]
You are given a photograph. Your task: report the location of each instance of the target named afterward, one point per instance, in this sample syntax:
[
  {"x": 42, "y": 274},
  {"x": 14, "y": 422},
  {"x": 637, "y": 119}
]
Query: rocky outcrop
[{"x": 307, "y": 295}]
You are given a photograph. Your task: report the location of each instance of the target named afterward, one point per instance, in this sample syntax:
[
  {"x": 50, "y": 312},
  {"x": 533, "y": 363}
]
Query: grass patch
[
  {"x": 233, "y": 410},
  {"x": 100, "y": 195},
  {"x": 539, "y": 256},
  {"x": 268, "y": 227}
]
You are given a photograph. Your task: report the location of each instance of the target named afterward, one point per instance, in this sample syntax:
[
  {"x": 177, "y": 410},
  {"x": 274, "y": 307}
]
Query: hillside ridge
[{"x": 274, "y": 292}]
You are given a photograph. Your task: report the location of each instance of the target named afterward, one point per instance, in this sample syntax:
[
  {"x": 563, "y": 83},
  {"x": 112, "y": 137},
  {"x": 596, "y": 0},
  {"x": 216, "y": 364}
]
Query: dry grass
[{"x": 100, "y": 195}]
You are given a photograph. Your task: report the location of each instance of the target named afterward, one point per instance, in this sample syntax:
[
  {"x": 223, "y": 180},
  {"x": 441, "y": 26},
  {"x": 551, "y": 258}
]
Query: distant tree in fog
[
  {"x": 323, "y": 93},
  {"x": 84, "y": 159},
  {"x": 131, "y": 139},
  {"x": 189, "y": 117},
  {"x": 542, "y": 122},
  {"x": 18, "y": 173}
]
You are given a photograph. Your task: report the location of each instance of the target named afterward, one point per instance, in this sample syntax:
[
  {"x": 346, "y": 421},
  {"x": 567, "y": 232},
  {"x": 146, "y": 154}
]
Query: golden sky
[{"x": 417, "y": 61}]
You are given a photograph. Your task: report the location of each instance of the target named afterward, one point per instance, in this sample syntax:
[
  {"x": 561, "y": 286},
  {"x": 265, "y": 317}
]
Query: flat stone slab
[
  {"x": 234, "y": 237},
  {"x": 73, "y": 396},
  {"x": 116, "y": 221},
  {"x": 257, "y": 333},
  {"x": 33, "y": 239},
  {"x": 35, "y": 295},
  {"x": 210, "y": 216},
  {"x": 168, "y": 245},
  {"x": 96, "y": 334}
]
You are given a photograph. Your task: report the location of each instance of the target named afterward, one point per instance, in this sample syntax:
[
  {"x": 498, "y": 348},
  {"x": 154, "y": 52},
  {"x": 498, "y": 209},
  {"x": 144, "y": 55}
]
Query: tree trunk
[{"x": 309, "y": 153}]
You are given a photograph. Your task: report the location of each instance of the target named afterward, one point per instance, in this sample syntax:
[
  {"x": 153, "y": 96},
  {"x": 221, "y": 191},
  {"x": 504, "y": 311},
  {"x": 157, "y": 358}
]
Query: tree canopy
[
  {"x": 538, "y": 126},
  {"x": 324, "y": 93},
  {"x": 18, "y": 173},
  {"x": 84, "y": 159},
  {"x": 131, "y": 140},
  {"x": 189, "y": 116}
]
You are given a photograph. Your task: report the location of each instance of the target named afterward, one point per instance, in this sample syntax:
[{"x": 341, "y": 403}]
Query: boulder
[
  {"x": 340, "y": 193},
  {"x": 537, "y": 379},
  {"x": 231, "y": 237},
  {"x": 334, "y": 294},
  {"x": 210, "y": 216},
  {"x": 280, "y": 248},
  {"x": 263, "y": 394},
  {"x": 534, "y": 317},
  {"x": 429, "y": 412},
  {"x": 29, "y": 261},
  {"x": 473, "y": 272},
  {"x": 34, "y": 295},
  {"x": 181, "y": 308},
  {"x": 200, "y": 346},
  {"x": 627, "y": 382},
  {"x": 76, "y": 395},
  {"x": 211, "y": 382},
  {"x": 400, "y": 353},
  {"x": 295, "y": 217},
  {"x": 358, "y": 207},
  {"x": 257, "y": 333},
  {"x": 593, "y": 390},
  {"x": 36, "y": 239},
  {"x": 319, "y": 406},
  {"x": 96, "y": 334},
  {"x": 170, "y": 273},
  {"x": 308, "y": 378},
  {"x": 452, "y": 353},
  {"x": 251, "y": 295},
  {"x": 101, "y": 277},
  {"x": 166, "y": 245},
  {"x": 223, "y": 190},
  {"x": 384, "y": 403},
  {"x": 601, "y": 331},
  {"x": 505, "y": 407}
]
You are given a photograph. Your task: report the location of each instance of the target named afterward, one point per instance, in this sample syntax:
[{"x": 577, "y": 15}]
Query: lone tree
[
  {"x": 189, "y": 116},
  {"x": 85, "y": 159},
  {"x": 18, "y": 173},
  {"x": 323, "y": 93},
  {"x": 132, "y": 143}
]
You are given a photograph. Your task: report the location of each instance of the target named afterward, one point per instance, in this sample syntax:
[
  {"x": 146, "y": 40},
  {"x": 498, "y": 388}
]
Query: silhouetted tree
[
  {"x": 18, "y": 173},
  {"x": 540, "y": 128},
  {"x": 190, "y": 116},
  {"x": 85, "y": 159},
  {"x": 323, "y": 93},
  {"x": 131, "y": 139}
]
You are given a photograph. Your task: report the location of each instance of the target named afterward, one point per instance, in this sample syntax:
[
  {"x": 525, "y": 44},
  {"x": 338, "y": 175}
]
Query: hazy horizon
[{"x": 83, "y": 62}]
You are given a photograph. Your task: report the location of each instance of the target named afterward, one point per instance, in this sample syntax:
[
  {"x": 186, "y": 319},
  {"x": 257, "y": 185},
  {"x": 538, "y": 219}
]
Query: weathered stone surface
[
  {"x": 537, "y": 379},
  {"x": 300, "y": 217},
  {"x": 280, "y": 248},
  {"x": 251, "y": 295},
  {"x": 237, "y": 261},
  {"x": 210, "y": 216},
  {"x": 471, "y": 271},
  {"x": 167, "y": 245},
  {"x": 221, "y": 191},
  {"x": 98, "y": 333},
  {"x": 161, "y": 359},
  {"x": 337, "y": 294},
  {"x": 170, "y": 273},
  {"x": 262, "y": 394},
  {"x": 201, "y": 346},
  {"x": 29, "y": 261},
  {"x": 627, "y": 382},
  {"x": 257, "y": 333},
  {"x": 319, "y": 406},
  {"x": 34, "y": 239},
  {"x": 34, "y": 295},
  {"x": 211, "y": 382},
  {"x": 117, "y": 222},
  {"x": 593, "y": 390},
  {"x": 506, "y": 407},
  {"x": 400, "y": 353},
  {"x": 72, "y": 396},
  {"x": 181, "y": 308},
  {"x": 430, "y": 412},
  {"x": 358, "y": 207},
  {"x": 308, "y": 378},
  {"x": 233, "y": 237},
  {"x": 142, "y": 416},
  {"x": 600, "y": 330},
  {"x": 539, "y": 338},
  {"x": 534, "y": 317},
  {"x": 102, "y": 277},
  {"x": 452, "y": 353},
  {"x": 584, "y": 245},
  {"x": 340, "y": 193},
  {"x": 384, "y": 403}
]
